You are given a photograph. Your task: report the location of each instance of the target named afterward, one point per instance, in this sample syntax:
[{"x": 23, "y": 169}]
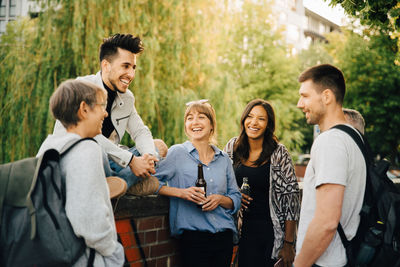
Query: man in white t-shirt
[{"x": 334, "y": 181}]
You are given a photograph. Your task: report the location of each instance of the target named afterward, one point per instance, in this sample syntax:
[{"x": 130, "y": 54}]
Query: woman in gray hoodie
[{"x": 80, "y": 106}]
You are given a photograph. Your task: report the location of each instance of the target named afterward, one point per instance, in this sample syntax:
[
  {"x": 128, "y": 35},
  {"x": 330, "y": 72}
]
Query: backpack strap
[
  {"x": 91, "y": 257},
  {"x": 359, "y": 139},
  {"x": 48, "y": 154},
  {"x": 4, "y": 178},
  {"x": 68, "y": 148},
  {"x": 356, "y": 136}
]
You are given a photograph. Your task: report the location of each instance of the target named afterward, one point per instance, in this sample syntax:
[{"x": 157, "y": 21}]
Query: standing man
[
  {"x": 334, "y": 181},
  {"x": 118, "y": 65}
]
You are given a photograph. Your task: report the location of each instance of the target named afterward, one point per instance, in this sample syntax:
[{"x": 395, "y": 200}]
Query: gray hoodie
[{"x": 88, "y": 205}]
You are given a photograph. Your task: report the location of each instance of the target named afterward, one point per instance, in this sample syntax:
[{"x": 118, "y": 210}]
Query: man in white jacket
[
  {"x": 80, "y": 107},
  {"x": 118, "y": 64}
]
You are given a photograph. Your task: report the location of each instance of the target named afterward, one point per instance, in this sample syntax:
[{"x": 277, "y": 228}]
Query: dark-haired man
[
  {"x": 334, "y": 181},
  {"x": 118, "y": 65}
]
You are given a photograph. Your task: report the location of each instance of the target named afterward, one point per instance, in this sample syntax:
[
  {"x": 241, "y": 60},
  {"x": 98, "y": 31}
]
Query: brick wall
[
  {"x": 143, "y": 229},
  {"x": 147, "y": 241}
]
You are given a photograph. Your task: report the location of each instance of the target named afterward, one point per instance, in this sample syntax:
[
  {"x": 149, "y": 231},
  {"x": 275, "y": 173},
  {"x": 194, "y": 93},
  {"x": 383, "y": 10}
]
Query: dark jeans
[
  {"x": 113, "y": 169},
  {"x": 256, "y": 243},
  {"x": 203, "y": 249}
]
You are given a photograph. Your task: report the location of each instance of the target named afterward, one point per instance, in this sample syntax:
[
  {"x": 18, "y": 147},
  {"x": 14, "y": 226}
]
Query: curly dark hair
[
  {"x": 270, "y": 143},
  {"x": 109, "y": 47}
]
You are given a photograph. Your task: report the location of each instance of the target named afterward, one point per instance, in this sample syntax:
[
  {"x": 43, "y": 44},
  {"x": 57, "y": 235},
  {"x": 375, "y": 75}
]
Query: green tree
[
  {"x": 193, "y": 50},
  {"x": 381, "y": 15},
  {"x": 259, "y": 60},
  {"x": 373, "y": 82}
]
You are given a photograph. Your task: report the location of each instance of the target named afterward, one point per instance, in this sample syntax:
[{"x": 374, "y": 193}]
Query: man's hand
[
  {"x": 143, "y": 166},
  {"x": 287, "y": 254}
]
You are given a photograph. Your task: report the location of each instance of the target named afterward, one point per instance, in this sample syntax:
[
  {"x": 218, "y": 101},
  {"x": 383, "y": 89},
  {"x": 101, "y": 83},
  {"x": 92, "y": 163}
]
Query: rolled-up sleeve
[
  {"x": 166, "y": 168},
  {"x": 233, "y": 189}
]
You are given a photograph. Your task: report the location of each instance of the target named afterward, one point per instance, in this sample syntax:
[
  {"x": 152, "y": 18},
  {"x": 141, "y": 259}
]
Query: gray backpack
[{"x": 34, "y": 228}]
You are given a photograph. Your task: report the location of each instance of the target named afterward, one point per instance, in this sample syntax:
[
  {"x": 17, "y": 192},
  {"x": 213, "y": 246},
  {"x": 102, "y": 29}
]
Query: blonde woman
[{"x": 205, "y": 233}]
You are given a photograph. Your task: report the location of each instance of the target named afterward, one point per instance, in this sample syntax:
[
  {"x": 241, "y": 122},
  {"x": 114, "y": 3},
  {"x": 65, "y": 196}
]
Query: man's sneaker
[{"x": 117, "y": 186}]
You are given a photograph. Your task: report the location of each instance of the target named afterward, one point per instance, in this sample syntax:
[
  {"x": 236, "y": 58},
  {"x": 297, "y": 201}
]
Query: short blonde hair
[{"x": 206, "y": 109}]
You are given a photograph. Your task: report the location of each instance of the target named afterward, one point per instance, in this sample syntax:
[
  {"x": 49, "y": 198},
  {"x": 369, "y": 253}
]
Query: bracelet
[{"x": 288, "y": 242}]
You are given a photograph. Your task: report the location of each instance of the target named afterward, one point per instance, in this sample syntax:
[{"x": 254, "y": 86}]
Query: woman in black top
[{"x": 268, "y": 217}]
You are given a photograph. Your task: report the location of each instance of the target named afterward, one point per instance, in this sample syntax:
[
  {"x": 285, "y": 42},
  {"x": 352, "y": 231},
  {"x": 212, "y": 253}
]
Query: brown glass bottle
[{"x": 201, "y": 182}]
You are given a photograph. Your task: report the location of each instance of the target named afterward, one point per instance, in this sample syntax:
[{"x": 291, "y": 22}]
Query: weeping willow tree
[
  {"x": 190, "y": 51},
  {"x": 258, "y": 59}
]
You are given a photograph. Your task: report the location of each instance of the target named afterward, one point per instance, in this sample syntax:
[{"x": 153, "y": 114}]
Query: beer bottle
[
  {"x": 245, "y": 188},
  {"x": 201, "y": 182}
]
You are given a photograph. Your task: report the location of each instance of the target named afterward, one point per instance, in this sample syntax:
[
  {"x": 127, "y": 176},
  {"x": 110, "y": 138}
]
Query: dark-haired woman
[{"x": 267, "y": 219}]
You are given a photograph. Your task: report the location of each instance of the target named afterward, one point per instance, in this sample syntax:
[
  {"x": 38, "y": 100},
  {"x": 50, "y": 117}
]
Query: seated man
[
  {"x": 80, "y": 107},
  {"x": 118, "y": 65}
]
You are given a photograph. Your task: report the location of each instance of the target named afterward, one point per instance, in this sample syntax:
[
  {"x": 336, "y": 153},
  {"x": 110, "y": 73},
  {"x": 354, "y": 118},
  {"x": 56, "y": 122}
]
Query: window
[
  {"x": 2, "y": 26},
  {"x": 13, "y": 8},
  {"x": 3, "y": 8}
]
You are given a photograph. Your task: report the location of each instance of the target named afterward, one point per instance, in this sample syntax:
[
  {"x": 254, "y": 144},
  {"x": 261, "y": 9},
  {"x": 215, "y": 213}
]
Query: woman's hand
[
  {"x": 246, "y": 201},
  {"x": 194, "y": 194},
  {"x": 212, "y": 202},
  {"x": 287, "y": 253}
]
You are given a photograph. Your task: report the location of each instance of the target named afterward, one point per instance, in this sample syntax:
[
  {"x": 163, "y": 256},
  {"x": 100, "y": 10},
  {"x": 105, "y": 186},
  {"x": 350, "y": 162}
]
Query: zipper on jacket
[{"x": 121, "y": 119}]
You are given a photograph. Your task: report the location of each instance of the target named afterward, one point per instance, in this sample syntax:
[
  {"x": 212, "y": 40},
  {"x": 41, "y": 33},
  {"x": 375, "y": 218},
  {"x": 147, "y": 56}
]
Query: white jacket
[{"x": 124, "y": 117}]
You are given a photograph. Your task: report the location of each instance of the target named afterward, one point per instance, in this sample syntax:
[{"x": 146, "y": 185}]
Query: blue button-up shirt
[{"x": 179, "y": 169}]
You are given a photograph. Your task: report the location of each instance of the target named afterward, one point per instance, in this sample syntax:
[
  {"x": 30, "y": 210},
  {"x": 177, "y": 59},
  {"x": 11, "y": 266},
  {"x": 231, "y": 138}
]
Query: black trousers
[
  {"x": 256, "y": 243},
  {"x": 205, "y": 249}
]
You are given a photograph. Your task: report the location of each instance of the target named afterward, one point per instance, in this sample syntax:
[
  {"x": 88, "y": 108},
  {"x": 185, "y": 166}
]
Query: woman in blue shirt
[{"x": 205, "y": 233}]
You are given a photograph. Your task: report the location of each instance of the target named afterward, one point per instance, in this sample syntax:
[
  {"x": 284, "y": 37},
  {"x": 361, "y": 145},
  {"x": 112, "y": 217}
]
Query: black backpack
[
  {"x": 377, "y": 241},
  {"x": 34, "y": 228}
]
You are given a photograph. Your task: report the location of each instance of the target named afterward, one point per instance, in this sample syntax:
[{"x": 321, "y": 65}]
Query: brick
[
  {"x": 132, "y": 254},
  {"x": 163, "y": 235},
  {"x": 161, "y": 250},
  {"x": 141, "y": 237},
  {"x": 127, "y": 239},
  {"x": 235, "y": 249},
  {"x": 146, "y": 250},
  {"x": 150, "y": 237},
  {"x": 162, "y": 262},
  {"x": 152, "y": 263},
  {"x": 123, "y": 226},
  {"x": 137, "y": 264},
  {"x": 149, "y": 223}
]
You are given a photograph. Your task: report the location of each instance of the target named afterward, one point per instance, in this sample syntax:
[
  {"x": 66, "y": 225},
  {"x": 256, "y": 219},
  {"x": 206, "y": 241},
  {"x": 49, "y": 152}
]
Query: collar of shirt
[{"x": 195, "y": 154}]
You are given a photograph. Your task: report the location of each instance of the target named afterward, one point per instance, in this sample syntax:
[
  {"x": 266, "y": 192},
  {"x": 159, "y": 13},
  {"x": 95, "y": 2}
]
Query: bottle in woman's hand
[
  {"x": 245, "y": 189},
  {"x": 201, "y": 182}
]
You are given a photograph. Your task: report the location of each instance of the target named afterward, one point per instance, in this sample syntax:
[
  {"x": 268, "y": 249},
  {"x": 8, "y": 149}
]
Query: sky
[{"x": 323, "y": 9}]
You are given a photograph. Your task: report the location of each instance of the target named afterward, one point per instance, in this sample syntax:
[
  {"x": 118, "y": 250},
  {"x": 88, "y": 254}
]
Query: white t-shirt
[{"x": 335, "y": 159}]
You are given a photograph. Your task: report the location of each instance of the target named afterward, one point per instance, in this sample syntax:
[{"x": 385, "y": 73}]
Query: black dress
[{"x": 257, "y": 239}]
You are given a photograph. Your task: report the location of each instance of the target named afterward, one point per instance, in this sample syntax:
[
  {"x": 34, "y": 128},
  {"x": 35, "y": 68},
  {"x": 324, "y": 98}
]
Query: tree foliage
[
  {"x": 191, "y": 52},
  {"x": 373, "y": 82},
  {"x": 382, "y": 15}
]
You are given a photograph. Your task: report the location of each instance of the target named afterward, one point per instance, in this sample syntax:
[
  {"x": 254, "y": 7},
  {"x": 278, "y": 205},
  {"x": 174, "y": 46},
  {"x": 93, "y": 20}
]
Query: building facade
[
  {"x": 301, "y": 26},
  {"x": 12, "y": 9}
]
